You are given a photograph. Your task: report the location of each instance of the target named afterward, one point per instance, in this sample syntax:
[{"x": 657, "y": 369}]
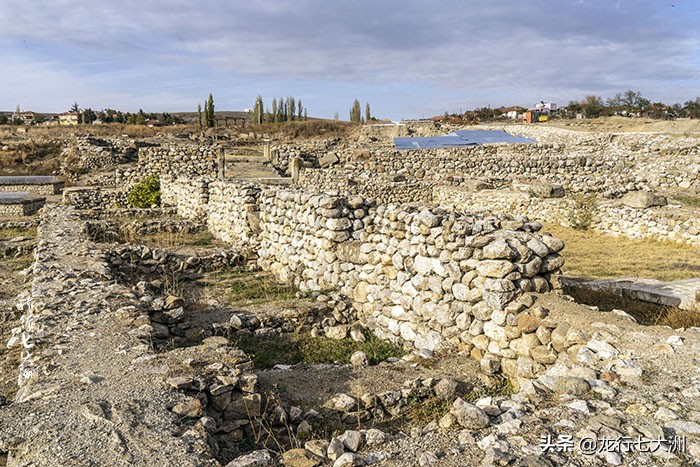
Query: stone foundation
[
  {"x": 43, "y": 185},
  {"x": 665, "y": 223},
  {"x": 27, "y": 207},
  {"x": 430, "y": 278},
  {"x": 190, "y": 161},
  {"x": 93, "y": 198}
]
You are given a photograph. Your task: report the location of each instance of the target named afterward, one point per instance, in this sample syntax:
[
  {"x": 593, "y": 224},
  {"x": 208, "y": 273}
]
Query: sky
[{"x": 408, "y": 58}]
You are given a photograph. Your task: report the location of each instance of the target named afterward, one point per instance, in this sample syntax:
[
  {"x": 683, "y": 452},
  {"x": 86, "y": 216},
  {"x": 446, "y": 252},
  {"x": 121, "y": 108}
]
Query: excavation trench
[
  {"x": 645, "y": 308},
  {"x": 299, "y": 346}
]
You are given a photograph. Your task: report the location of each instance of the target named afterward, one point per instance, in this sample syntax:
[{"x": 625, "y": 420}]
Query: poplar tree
[
  {"x": 282, "y": 104},
  {"x": 274, "y": 110},
  {"x": 356, "y": 112},
  {"x": 199, "y": 114},
  {"x": 291, "y": 108},
  {"x": 368, "y": 115},
  {"x": 300, "y": 109},
  {"x": 210, "y": 111},
  {"x": 258, "y": 111}
]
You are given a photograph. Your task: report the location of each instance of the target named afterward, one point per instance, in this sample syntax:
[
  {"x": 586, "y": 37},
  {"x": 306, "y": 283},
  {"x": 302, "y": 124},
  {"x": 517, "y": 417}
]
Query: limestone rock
[
  {"x": 335, "y": 450},
  {"x": 643, "y": 199},
  {"x": 469, "y": 416},
  {"x": 351, "y": 439},
  {"x": 349, "y": 459},
  {"x": 446, "y": 389},
  {"x": 375, "y": 437},
  {"x": 328, "y": 159},
  {"x": 300, "y": 458},
  {"x": 254, "y": 459},
  {"x": 342, "y": 403},
  {"x": 359, "y": 358},
  {"x": 190, "y": 409}
]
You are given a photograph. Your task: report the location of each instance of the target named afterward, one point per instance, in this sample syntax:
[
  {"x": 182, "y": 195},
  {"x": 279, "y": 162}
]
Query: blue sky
[{"x": 408, "y": 58}]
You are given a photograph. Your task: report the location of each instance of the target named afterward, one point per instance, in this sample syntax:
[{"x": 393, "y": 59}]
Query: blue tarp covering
[{"x": 461, "y": 138}]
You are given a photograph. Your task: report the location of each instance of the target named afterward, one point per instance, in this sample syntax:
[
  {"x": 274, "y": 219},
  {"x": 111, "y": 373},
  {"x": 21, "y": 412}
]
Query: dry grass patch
[
  {"x": 17, "y": 232},
  {"x": 309, "y": 129},
  {"x": 687, "y": 200},
  {"x": 596, "y": 255},
  {"x": 677, "y": 318},
  {"x": 290, "y": 349}
]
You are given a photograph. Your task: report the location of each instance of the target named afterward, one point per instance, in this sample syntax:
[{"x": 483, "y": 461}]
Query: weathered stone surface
[
  {"x": 318, "y": 447},
  {"x": 572, "y": 385},
  {"x": 328, "y": 160},
  {"x": 351, "y": 439},
  {"x": 643, "y": 199},
  {"x": 446, "y": 389},
  {"x": 260, "y": 458},
  {"x": 300, "y": 458},
  {"x": 342, "y": 403},
  {"x": 359, "y": 358},
  {"x": 469, "y": 416}
]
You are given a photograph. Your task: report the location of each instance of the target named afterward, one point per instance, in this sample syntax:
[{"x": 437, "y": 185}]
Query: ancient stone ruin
[{"x": 126, "y": 347}]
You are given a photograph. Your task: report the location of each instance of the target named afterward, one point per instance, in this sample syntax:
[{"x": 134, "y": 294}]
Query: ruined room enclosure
[{"x": 205, "y": 301}]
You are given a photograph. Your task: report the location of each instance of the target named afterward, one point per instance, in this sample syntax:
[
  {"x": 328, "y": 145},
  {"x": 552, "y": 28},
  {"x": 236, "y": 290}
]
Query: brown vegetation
[
  {"x": 676, "y": 318},
  {"x": 308, "y": 129},
  {"x": 596, "y": 255}
]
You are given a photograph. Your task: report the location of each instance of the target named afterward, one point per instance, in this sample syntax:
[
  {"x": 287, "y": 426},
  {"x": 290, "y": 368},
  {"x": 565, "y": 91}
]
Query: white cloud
[{"x": 507, "y": 49}]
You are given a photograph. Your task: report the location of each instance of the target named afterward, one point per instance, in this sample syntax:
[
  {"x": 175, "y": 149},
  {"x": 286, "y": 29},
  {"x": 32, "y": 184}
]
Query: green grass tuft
[
  {"x": 290, "y": 349},
  {"x": 687, "y": 200}
]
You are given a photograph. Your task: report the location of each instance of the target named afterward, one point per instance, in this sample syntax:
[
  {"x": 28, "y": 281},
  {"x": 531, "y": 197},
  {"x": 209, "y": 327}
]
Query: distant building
[
  {"x": 540, "y": 112},
  {"x": 513, "y": 112},
  {"x": 27, "y": 117},
  {"x": 68, "y": 119},
  {"x": 546, "y": 107}
]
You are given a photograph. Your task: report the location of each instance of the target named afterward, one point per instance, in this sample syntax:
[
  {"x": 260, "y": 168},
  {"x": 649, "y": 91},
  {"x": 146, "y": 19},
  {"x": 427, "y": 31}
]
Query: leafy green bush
[{"x": 146, "y": 193}]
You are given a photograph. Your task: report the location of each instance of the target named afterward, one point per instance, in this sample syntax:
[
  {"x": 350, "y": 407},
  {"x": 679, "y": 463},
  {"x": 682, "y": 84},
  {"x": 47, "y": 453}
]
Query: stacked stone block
[
  {"x": 666, "y": 223},
  {"x": 233, "y": 212},
  {"x": 190, "y": 161},
  {"x": 190, "y": 196},
  {"x": 429, "y": 278}
]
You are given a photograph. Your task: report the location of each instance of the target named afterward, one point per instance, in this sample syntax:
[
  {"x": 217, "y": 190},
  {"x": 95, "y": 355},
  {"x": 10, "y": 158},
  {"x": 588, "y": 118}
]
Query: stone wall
[
  {"x": 42, "y": 189},
  {"x": 170, "y": 159},
  {"x": 230, "y": 210},
  {"x": 233, "y": 214},
  {"x": 11, "y": 210},
  {"x": 384, "y": 187},
  {"x": 189, "y": 196},
  {"x": 429, "y": 278},
  {"x": 93, "y": 197},
  {"x": 79, "y": 327},
  {"x": 666, "y": 223},
  {"x": 24, "y": 208},
  {"x": 609, "y": 164},
  {"x": 93, "y": 153}
]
